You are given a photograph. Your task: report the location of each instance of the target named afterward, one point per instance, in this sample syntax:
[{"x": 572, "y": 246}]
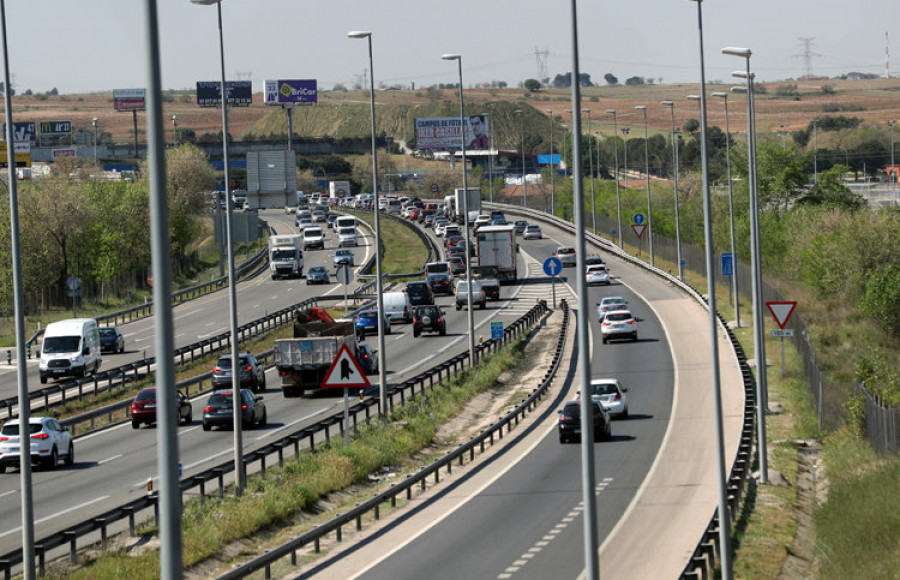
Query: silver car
[
  {"x": 532, "y": 232},
  {"x": 618, "y": 324},
  {"x": 566, "y": 255},
  {"x": 611, "y": 394}
]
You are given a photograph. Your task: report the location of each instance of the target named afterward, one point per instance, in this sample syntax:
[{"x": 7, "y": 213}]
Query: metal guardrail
[{"x": 197, "y": 484}]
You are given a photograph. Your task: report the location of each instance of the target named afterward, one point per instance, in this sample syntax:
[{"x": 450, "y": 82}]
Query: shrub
[{"x": 881, "y": 300}]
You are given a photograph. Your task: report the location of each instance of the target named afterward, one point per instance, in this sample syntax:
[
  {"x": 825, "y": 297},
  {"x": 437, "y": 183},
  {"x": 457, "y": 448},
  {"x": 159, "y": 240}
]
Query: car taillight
[
  {"x": 40, "y": 436},
  {"x": 618, "y": 396},
  {"x": 248, "y": 368},
  {"x": 605, "y": 323},
  {"x": 632, "y": 321},
  {"x": 4, "y": 438},
  {"x": 217, "y": 370},
  {"x": 208, "y": 409},
  {"x": 243, "y": 407}
]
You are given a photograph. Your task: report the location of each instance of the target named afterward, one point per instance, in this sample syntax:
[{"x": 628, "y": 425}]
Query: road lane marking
[
  {"x": 108, "y": 459},
  {"x": 56, "y": 515}
]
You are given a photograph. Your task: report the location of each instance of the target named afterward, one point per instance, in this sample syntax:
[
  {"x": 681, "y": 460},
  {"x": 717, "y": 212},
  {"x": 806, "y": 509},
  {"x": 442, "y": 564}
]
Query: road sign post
[
  {"x": 781, "y": 312},
  {"x": 345, "y": 373},
  {"x": 552, "y": 267},
  {"x": 728, "y": 271}
]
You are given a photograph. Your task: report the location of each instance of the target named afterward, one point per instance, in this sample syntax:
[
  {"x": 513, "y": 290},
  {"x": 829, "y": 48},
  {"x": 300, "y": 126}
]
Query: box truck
[
  {"x": 286, "y": 256},
  {"x": 474, "y": 204},
  {"x": 497, "y": 247}
]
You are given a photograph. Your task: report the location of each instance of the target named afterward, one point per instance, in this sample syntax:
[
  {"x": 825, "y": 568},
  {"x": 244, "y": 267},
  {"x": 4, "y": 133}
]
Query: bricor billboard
[
  {"x": 448, "y": 133},
  {"x": 237, "y": 93},
  {"x": 291, "y": 92},
  {"x": 128, "y": 100}
]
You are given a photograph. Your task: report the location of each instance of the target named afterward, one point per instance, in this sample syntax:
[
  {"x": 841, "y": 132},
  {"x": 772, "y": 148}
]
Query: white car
[
  {"x": 610, "y": 303},
  {"x": 566, "y": 255},
  {"x": 618, "y": 324},
  {"x": 347, "y": 237},
  {"x": 611, "y": 394},
  {"x": 313, "y": 238},
  {"x": 532, "y": 232},
  {"x": 597, "y": 275},
  {"x": 304, "y": 222},
  {"x": 49, "y": 441}
]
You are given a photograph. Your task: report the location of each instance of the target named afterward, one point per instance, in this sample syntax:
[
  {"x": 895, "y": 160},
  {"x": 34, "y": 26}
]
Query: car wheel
[
  {"x": 416, "y": 334},
  {"x": 43, "y": 379},
  {"x": 2, "y": 469},
  {"x": 443, "y": 332},
  {"x": 604, "y": 340},
  {"x": 190, "y": 417},
  {"x": 70, "y": 456},
  {"x": 263, "y": 386},
  {"x": 53, "y": 460},
  {"x": 205, "y": 426},
  {"x": 307, "y": 281},
  {"x": 483, "y": 305},
  {"x": 388, "y": 331},
  {"x": 458, "y": 307},
  {"x": 634, "y": 338},
  {"x": 264, "y": 420},
  {"x": 562, "y": 440},
  {"x": 625, "y": 413},
  {"x": 135, "y": 424}
]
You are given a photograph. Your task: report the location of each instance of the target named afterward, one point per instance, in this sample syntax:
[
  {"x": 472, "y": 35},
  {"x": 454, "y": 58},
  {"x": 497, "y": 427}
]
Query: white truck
[
  {"x": 338, "y": 189},
  {"x": 70, "y": 348},
  {"x": 286, "y": 256},
  {"x": 497, "y": 247},
  {"x": 303, "y": 361},
  {"x": 473, "y": 201}
]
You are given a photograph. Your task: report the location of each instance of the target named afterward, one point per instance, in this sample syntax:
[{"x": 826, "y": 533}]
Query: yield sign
[
  {"x": 345, "y": 372},
  {"x": 781, "y": 311},
  {"x": 638, "y": 229}
]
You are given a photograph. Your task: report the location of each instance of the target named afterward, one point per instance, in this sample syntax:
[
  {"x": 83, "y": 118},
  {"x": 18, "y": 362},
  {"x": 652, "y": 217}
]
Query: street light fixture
[
  {"x": 239, "y": 467},
  {"x": 755, "y": 268},
  {"x": 734, "y": 268},
  {"x": 471, "y": 316},
  {"x": 521, "y": 116},
  {"x": 94, "y": 124},
  {"x": 618, "y": 196},
  {"x": 552, "y": 169},
  {"x": 647, "y": 170},
  {"x": 671, "y": 106},
  {"x": 591, "y": 165},
  {"x": 379, "y": 284}
]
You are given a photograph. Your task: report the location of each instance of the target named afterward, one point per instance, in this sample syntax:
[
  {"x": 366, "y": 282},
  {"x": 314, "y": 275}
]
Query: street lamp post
[
  {"x": 755, "y": 268},
  {"x": 521, "y": 116},
  {"x": 471, "y": 316},
  {"x": 491, "y": 152},
  {"x": 618, "y": 196},
  {"x": 815, "y": 124},
  {"x": 647, "y": 170},
  {"x": 625, "y": 131},
  {"x": 175, "y": 130},
  {"x": 379, "y": 284},
  {"x": 734, "y": 261},
  {"x": 552, "y": 170},
  {"x": 893, "y": 174},
  {"x": 591, "y": 166},
  {"x": 239, "y": 467},
  {"x": 783, "y": 133},
  {"x": 94, "y": 124},
  {"x": 671, "y": 106}
]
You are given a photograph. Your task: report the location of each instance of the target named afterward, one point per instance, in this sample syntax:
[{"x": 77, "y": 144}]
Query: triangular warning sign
[
  {"x": 345, "y": 372},
  {"x": 638, "y": 229},
  {"x": 781, "y": 311}
]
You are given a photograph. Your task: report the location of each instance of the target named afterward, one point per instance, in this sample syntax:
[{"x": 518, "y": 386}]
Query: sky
[{"x": 100, "y": 45}]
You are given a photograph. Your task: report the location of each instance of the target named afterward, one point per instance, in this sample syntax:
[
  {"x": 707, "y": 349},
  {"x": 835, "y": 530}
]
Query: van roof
[{"x": 68, "y": 327}]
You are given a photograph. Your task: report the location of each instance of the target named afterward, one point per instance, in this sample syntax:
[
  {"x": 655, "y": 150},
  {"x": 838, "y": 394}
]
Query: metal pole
[
  {"x": 671, "y": 105},
  {"x": 816, "y": 150},
  {"x": 290, "y": 116},
  {"x": 27, "y": 505},
  {"x": 175, "y": 130},
  {"x": 591, "y": 559},
  {"x": 591, "y": 165},
  {"x": 491, "y": 154},
  {"x": 625, "y": 131},
  {"x": 893, "y": 174},
  {"x": 734, "y": 260},
  {"x": 724, "y": 518},
  {"x": 618, "y": 196},
  {"x": 520, "y": 113},
  {"x": 94, "y": 123},
  {"x": 552, "y": 169},
  {"x": 647, "y": 169},
  {"x": 170, "y": 503},
  {"x": 379, "y": 283}
]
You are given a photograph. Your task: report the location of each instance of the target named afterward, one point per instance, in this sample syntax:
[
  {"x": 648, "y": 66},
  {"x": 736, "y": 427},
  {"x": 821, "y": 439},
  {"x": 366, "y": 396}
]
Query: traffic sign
[
  {"x": 497, "y": 330},
  {"x": 781, "y": 311},
  {"x": 344, "y": 274},
  {"x": 782, "y": 333},
  {"x": 638, "y": 229},
  {"x": 345, "y": 372},
  {"x": 552, "y": 266},
  {"x": 638, "y": 218},
  {"x": 435, "y": 188},
  {"x": 727, "y": 264}
]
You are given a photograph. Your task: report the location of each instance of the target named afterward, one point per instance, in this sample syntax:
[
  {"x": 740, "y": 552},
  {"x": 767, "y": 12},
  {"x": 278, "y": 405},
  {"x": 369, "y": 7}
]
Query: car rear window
[
  {"x": 618, "y": 316},
  {"x": 605, "y": 389},
  {"x": 572, "y": 411},
  {"x": 220, "y": 399},
  {"x": 146, "y": 395},
  {"x": 14, "y": 429}
]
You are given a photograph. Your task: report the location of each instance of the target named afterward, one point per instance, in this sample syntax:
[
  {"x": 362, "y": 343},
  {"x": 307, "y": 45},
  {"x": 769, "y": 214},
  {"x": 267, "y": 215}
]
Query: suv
[
  {"x": 419, "y": 293},
  {"x": 462, "y": 295},
  {"x": 251, "y": 372},
  {"x": 618, "y": 324},
  {"x": 48, "y": 441},
  {"x": 429, "y": 318},
  {"x": 569, "y": 425}
]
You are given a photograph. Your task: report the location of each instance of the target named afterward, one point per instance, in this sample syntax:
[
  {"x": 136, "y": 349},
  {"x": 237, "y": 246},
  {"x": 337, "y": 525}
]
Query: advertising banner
[
  {"x": 128, "y": 99},
  {"x": 293, "y": 92},
  {"x": 25, "y": 131},
  {"x": 21, "y": 153},
  {"x": 445, "y": 133},
  {"x": 65, "y": 152},
  {"x": 49, "y": 128},
  {"x": 238, "y": 93}
]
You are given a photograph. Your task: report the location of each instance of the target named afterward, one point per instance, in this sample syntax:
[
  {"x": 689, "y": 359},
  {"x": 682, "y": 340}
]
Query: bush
[{"x": 881, "y": 300}]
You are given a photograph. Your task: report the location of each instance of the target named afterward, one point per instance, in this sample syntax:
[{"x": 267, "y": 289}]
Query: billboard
[
  {"x": 49, "y": 128},
  {"x": 21, "y": 153},
  {"x": 296, "y": 92},
  {"x": 128, "y": 99},
  {"x": 238, "y": 93},
  {"x": 25, "y": 131},
  {"x": 445, "y": 133}
]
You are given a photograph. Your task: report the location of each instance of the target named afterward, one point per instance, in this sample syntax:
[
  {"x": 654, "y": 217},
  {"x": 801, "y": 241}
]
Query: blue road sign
[
  {"x": 552, "y": 266},
  {"x": 727, "y": 264},
  {"x": 638, "y": 218},
  {"x": 497, "y": 330}
]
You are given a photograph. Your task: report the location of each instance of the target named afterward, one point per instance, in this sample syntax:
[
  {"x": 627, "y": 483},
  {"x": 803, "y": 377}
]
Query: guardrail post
[
  {"x": 71, "y": 537},
  {"x": 262, "y": 464},
  {"x": 220, "y": 476},
  {"x": 39, "y": 549},
  {"x": 130, "y": 511},
  {"x": 293, "y": 552},
  {"x": 7, "y": 569}
]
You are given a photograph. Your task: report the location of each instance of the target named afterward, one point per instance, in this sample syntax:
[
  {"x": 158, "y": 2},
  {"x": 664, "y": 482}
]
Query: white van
[
  {"x": 438, "y": 268},
  {"x": 397, "y": 306},
  {"x": 70, "y": 348},
  {"x": 345, "y": 221}
]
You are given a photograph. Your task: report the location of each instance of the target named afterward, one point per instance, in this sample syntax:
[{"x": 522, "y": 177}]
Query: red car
[
  {"x": 143, "y": 408},
  {"x": 414, "y": 214}
]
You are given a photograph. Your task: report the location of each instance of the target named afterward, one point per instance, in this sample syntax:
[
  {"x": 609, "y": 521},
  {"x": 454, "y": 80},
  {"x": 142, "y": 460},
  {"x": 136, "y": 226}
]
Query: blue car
[
  {"x": 368, "y": 362},
  {"x": 366, "y": 322}
]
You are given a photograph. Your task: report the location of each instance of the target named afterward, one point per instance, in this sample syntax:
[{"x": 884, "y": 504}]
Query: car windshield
[
  {"x": 572, "y": 411},
  {"x": 318, "y": 270},
  {"x": 416, "y": 289},
  {"x": 107, "y": 332},
  {"x": 225, "y": 362},
  {"x": 346, "y": 231},
  {"x": 368, "y": 314},
  {"x": 283, "y": 254},
  {"x": 566, "y": 251},
  {"x": 61, "y": 344},
  {"x": 532, "y": 228},
  {"x": 427, "y": 311},
  {"x": 343, "y": 253}
]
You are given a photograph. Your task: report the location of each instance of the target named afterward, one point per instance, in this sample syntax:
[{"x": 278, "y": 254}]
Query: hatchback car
[
  {"x": 317, "y": 275},
  {"x": 366, "y": 322},
  {"x": 440, "y": 283},
  {"x": 419, "y": 293},
  {"x": 429, "y": 319},
  {"x": 611, "y": 394},
  {"x": 519, "y": 226},
  {"x": 365, "y": 356},
  {"x": 111, "y": 340},
  {"x": 597, "y": 274},
  {"x": 347, "y": 237},
  {"x": 330, "y": 219},
  {"x": 618, "y": 324},
  {"x": 479, "y": 298},
  {"x": 48, "y": 441},
  {"x": 593, "y": 260},
  {"x": 252, "y": 374},
  {"x": 532, "y": 232},
  {"x": 457, "y": 265},
  {"x": 343, "y": 256},
  {"x": 569, "y": 425},
  {"x": 609, "y": 304},
  {"x": 566, "y": 255},
  {"x": 219, "y": 412},
  {"x": 143, "y": 408}
]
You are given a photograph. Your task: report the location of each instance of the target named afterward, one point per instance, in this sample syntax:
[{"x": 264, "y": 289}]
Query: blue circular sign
[
  {"x": 552, "y": 266},
  {"x": 638, "y": 218}
]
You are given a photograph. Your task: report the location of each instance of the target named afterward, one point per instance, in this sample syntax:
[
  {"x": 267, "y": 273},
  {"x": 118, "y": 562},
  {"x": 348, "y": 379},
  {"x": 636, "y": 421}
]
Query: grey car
[
  {"x": 317, "y": 275},
  {"x": 218, "y": 411}
]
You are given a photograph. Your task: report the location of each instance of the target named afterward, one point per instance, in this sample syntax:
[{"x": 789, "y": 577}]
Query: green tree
[
  {"x": 532, "y": 85},
  {"x": 881, "y": 300}
]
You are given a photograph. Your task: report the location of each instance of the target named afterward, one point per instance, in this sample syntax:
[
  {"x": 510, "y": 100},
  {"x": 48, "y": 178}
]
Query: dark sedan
[
  {"x": 143, "y": 408},
  {"x": 252, "y": 374},
  {"x": 570, "y": 422},
  {"x": 218, "y": 411},
  {"x": 440, "y": 283},
  {"x": 367, "y": 359},
  {"x": 111, "y": 340}
]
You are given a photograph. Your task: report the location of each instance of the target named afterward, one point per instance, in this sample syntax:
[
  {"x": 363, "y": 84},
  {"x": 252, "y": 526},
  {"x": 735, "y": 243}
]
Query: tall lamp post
[
  {"x": 815, "y": 124},
  {"x": 521, "y": 116},
  {"x": 893, "y": 175},
  {"x": 618, "y": 195},
  {"x": 647, "y": 170},
  {"x": 782, "y": 132},
  {"x": 239, "y": 467},
  {"x": 491, "y": 152},
  {"x": 625, "y": 132},
  {"x": 379, "y": 284},
  {"x": 591, "y": 166},
  {"x": 552, "y": 169},
  {"x": 671, "y": 106},
  {"x": 175, "y": 130},
  {"x": 734, "y": 268},
  {"x": 755, "y": 269},
  {"x": 471, "y": 316},
  {"x": 94, "y": 124}
]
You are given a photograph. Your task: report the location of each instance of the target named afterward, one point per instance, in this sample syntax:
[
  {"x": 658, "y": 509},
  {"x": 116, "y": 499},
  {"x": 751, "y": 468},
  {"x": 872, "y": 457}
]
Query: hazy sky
[{"x": 99, "y": 45}]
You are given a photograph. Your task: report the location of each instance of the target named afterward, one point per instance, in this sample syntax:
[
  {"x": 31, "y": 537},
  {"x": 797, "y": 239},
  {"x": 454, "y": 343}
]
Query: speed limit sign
[{"x": 435, "y": 188}]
